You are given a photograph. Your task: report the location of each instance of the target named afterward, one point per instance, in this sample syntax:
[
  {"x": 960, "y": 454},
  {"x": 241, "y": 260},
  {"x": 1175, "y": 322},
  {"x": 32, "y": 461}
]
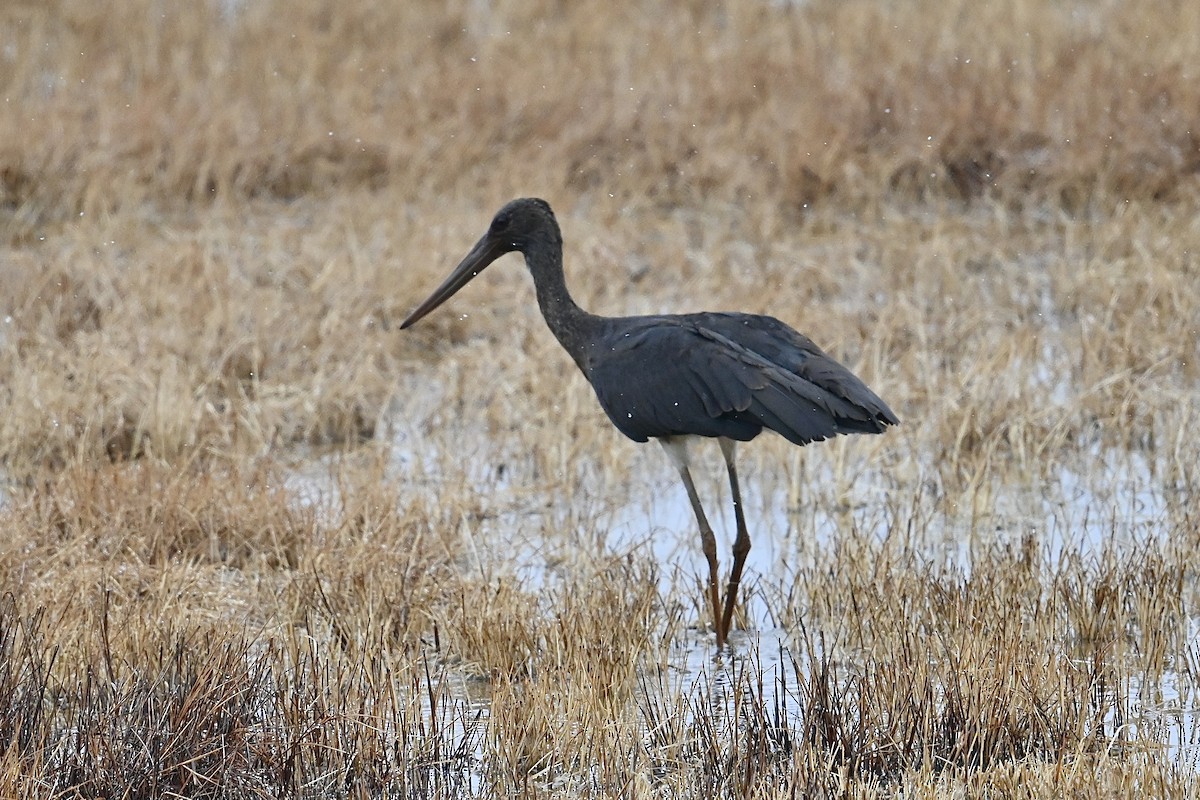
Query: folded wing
[{"x": 726, "y": 375}]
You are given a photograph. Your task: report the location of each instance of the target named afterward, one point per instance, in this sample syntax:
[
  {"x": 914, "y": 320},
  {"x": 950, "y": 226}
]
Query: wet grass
[{"x": 258, "y": 542}]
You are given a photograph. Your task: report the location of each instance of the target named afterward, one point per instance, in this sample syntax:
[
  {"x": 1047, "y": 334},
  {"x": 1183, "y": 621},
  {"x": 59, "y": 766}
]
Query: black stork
[{"x": 676, "y": 376}]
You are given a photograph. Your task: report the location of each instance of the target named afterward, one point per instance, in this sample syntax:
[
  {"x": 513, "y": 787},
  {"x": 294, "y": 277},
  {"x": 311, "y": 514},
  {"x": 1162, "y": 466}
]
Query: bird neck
[{"x": 567, "y": 321}]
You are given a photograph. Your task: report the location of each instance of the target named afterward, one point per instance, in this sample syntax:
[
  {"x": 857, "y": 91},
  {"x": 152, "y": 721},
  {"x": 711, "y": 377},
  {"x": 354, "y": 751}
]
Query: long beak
[{"x": 485, "y": 251}]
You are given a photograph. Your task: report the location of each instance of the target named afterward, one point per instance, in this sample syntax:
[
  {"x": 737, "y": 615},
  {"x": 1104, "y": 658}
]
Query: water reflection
[{"x": 1111, "y": 500}]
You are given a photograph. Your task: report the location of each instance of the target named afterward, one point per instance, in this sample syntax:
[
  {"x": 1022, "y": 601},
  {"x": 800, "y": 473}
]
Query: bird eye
[{"x": 500, "y": 222}]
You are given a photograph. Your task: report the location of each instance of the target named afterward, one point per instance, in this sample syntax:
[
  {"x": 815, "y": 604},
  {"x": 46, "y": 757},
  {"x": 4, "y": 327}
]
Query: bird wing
[
  {"x": 704, "y": 374},
  {"x": 786, "y": 348}
]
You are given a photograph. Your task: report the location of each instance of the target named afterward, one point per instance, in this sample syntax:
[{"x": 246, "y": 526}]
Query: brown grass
[{"x": 260, "y": 543}]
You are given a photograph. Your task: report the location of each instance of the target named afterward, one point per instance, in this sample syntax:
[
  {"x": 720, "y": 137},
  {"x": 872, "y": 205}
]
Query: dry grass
[{"x": 259, "y": 543}]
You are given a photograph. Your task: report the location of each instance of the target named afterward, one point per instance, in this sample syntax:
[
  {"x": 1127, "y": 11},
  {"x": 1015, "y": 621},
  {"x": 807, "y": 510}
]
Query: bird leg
[
  {"x": 677, "y": 450},
  {"x": 741, "y": 545},
  {"x": 708, "y": 543}
]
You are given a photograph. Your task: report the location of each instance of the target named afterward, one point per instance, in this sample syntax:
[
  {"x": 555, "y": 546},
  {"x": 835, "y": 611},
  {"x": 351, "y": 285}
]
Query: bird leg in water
[
  {"x": 677, "y": 449},
  {"x": 708, "y": 543},
  {"x": 741, "y": 545}
]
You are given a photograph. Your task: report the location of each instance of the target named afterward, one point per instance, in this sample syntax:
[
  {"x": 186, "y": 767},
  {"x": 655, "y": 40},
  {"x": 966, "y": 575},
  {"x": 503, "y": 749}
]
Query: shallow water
[{"x": 1108, "y": 501}]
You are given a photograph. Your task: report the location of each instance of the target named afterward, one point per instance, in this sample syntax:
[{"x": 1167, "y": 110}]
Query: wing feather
[{"x": 726, "y": 375}]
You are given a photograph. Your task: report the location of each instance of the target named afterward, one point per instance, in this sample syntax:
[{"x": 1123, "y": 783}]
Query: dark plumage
[
  {"x": 731, "y": 375},
  {"x": 673, "y": 376}
]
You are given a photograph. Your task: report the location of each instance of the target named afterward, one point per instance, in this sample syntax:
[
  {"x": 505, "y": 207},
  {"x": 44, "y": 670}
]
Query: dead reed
[{"x": 259, "y": 543}]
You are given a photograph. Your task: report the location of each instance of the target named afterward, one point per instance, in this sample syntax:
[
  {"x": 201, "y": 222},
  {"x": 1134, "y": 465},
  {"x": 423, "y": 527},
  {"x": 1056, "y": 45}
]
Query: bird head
[
  {"x": 520, "y": 223},
  {"x": 518, "y": 226}
]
